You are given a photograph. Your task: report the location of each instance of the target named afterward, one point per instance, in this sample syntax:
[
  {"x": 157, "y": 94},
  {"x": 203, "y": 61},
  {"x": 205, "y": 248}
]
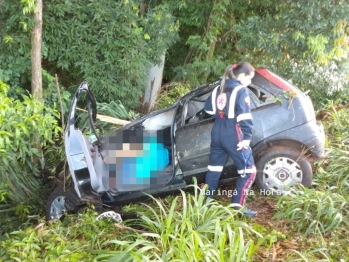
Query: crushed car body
[{"x": 163, "y": 151}]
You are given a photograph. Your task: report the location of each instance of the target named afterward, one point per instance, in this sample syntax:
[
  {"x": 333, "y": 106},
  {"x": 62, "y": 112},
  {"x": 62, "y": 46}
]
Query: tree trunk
[
  {"x": 154, "y": 81},
  {"x": 36, "y": 83}
]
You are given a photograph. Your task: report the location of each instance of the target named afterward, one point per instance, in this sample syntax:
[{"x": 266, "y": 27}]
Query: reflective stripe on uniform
[
  {"x": 247, "y": 187},
  {"x": 214, "y": 94},
  {"x": 247, "y": 170},
  {"x": 215, "y": 168},
  {"x": 243, "y": 117},
  {"x": 231, "y": 113}
]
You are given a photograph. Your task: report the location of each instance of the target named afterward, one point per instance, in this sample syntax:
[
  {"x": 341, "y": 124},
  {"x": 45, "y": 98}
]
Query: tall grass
[
  {"x": 189, "y": 231},
  {"x": 71, "y": 240},
  {"x": 334, "y": 172},
  {"x": 320, "y": 215},
  {"x": 337, "y": 173},
  {"x": 312, "y": 211},
  {"x": 185, "y": 231},
  {"x": 319, "y": 254}
]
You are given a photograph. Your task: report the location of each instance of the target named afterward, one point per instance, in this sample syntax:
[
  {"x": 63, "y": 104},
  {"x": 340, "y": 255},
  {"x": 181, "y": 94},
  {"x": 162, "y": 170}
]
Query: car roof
[
  {"x": 275, "y": 79},
  {"x": 266, "y": 74}
]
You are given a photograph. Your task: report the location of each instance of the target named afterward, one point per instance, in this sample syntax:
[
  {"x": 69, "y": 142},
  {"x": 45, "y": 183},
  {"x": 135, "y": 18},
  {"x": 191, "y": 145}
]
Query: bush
[
  {"x": 115, "y": 51},
  {"x": 111, "y": 45},
  {"x": 25, "y": 124},
  {"x": 170, "y": 94},
  {"x": 51, "y": 96}
]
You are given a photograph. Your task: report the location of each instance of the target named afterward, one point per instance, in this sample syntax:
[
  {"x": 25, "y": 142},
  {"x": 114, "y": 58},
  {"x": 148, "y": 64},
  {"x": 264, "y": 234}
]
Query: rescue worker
[{"x": 232, "y": 133}]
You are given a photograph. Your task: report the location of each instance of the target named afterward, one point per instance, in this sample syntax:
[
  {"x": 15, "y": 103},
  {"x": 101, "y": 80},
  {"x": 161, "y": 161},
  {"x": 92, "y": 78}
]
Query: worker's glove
[{"x": 244, "y": 144}]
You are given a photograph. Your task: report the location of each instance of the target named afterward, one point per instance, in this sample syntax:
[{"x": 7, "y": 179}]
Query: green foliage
[
  {"x": 3, "y": 192},
  {"x": 312, "y": 211},
  {"x": 206, "y": 31},
  {"x": 51, "y": 96},
  {"x": 189, "y": 230},
  {"x": 109, "y": 45},
  {"x": 22, "y": 124},
  {"x": 314, "y": 247},
  {"x": 72, "y": 241},
  {"x": 28, "y": 6},
  {"x": 335, "y": 170},
  {"x": 116, "y": 109},
  {"x": 15, "y": 44},
  {"x": 337, "y": 173},
  {"x": 113, "y": 109},
  {"x": 303, "y": 41},
  {"x": 318, "y": 254},
  {"x": 170, "y": 94},
  {"x": 337, "y": 125},
  {"x": 185, "y": 231},
  {"x": 195, "y": 73},
  {"x": 315, "y": 30},
  {"x": 325, "y": 82},
  {"x": 322, "y": 214}
]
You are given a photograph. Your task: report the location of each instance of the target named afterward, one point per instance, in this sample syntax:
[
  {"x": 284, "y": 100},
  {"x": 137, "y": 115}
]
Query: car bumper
[{"x": 317, "y": 144}]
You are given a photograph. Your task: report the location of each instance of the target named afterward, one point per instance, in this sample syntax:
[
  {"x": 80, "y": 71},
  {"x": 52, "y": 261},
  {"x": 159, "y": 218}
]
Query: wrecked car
[{"x": 163, "y": 151}]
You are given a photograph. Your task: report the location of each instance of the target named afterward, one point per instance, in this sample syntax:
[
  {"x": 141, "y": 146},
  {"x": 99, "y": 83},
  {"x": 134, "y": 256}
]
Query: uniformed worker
[{"x": 232, "y": 133}]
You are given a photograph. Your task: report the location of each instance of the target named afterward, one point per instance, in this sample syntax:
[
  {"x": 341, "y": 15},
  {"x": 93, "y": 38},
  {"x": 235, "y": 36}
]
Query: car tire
[
  {"x": 61, "y": 202},
  {"x": 281, "y": 167}
]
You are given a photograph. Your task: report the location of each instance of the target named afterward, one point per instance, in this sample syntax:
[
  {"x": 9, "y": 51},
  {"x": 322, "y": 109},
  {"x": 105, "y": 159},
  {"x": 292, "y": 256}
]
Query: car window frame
[
  {"x": 271, "y": 99},
  {"x": 256, "y": 102},
  {"x": 184, "y": 111}
]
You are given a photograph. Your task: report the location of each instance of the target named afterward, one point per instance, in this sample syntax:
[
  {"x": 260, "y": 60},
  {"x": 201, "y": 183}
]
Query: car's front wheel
[
  {"x": 280, "y": 168},
  {"x": 60, "y": 202}
]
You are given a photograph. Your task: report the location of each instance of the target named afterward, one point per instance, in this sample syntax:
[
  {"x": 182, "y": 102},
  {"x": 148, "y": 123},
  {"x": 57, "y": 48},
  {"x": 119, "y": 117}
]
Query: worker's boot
[{"x": 246, "y": 212}]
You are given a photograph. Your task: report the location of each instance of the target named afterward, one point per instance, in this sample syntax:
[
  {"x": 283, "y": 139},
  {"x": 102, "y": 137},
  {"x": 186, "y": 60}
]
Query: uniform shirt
[{"x": 239, "y": 113}]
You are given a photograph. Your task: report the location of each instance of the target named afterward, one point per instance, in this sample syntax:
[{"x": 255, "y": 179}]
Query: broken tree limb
[{"x": 109, "y": 119}]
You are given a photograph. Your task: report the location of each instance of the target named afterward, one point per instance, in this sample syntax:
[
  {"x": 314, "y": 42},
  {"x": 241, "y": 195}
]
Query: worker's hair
[{"x": 232, "y": 71}]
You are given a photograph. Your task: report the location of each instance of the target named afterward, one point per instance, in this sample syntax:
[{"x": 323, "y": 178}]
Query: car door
[
  {"x": 141, "y": 154},
  {"x": 193, "y": 146},
  {"x": 193, "y": 137}
]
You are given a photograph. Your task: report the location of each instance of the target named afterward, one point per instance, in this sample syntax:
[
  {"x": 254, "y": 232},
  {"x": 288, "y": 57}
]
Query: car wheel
[
  {"x": 280, "y": 168},
  {"x": 60, "y": 202}
]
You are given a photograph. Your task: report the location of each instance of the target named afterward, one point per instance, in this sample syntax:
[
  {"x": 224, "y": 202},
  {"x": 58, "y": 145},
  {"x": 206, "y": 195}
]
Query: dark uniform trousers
[{"x": 221, "y": 147}]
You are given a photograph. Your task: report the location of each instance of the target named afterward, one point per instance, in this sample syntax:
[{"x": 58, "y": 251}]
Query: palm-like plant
[
  {"x": 312, "y": 211},
  {"x": 193, "y": 228}
]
